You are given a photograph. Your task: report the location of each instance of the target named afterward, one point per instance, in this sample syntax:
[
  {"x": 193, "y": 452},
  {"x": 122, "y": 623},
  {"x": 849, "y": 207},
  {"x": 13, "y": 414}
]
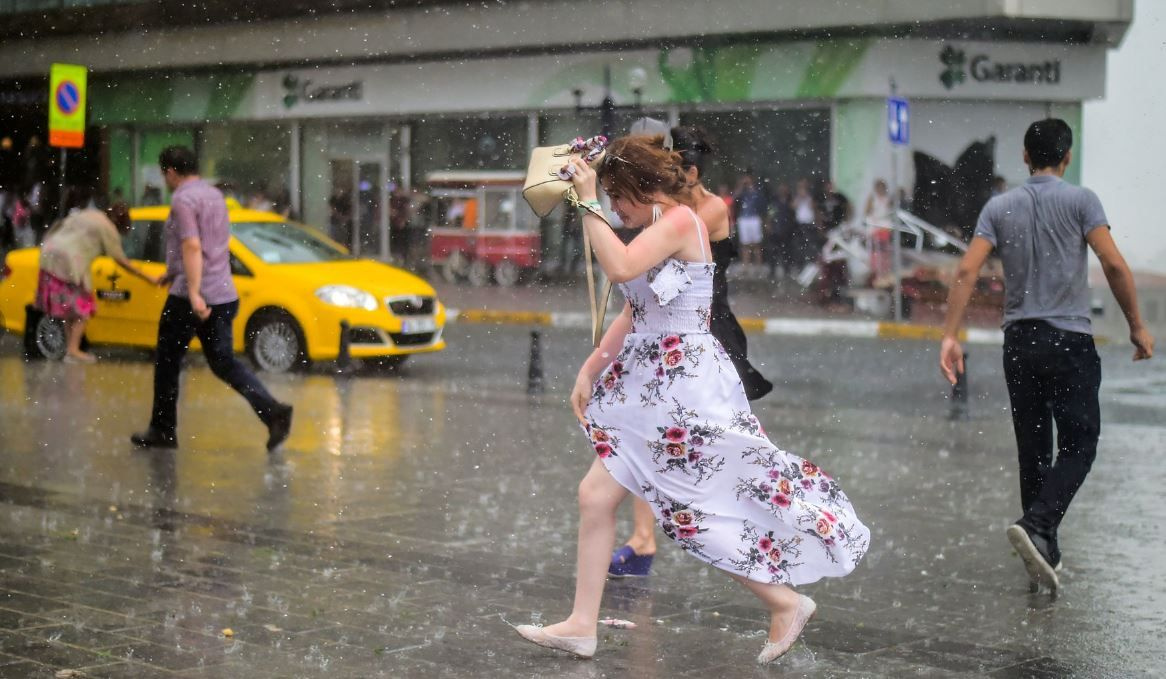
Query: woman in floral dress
[
  {"x": 635, "y": 557},
  {"x": 666, "y": 414}
]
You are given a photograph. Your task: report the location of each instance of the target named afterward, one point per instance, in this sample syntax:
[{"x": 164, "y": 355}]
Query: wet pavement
[{"x": 413, "y": 514}]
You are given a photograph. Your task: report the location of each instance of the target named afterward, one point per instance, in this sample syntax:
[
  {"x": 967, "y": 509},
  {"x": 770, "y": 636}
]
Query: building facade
[{"x": 329, "y": 111}]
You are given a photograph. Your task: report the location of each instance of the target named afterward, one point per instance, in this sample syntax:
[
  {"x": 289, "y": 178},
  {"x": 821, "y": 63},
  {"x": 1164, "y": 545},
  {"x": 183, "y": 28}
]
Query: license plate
[
  {"x": 114, "y": 295},
  {"x": 413, "y": 326}
]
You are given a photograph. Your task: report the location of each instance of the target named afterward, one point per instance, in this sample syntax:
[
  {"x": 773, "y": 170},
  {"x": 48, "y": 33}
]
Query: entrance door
[{"x": 358, "y": 217}]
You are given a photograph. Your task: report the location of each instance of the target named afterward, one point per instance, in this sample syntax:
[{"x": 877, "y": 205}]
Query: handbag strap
[{"x": 598, "y": 306}]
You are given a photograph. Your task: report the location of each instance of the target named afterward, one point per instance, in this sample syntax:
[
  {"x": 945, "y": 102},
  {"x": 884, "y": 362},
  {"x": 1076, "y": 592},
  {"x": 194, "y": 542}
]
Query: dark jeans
[
  {"x": 176, "y": 328},
  {"x": 1053, "y": 376}
]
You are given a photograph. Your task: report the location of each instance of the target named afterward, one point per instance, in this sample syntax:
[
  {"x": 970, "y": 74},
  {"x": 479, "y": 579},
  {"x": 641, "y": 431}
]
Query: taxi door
[{"x": 128, "y": 307}]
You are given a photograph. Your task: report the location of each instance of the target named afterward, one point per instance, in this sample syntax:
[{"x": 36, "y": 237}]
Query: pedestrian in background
[
  {"x": 635, "y": 557},
  {"x": 400, "y": 210},
  {"x": 834, "y": 277},
  {"x": 420, "y": 216},
  {"x": 877, "y": 215},
  {"x": 668, "y": 419},
  {"x": 1042, "y": 231},
  {"x": 749, "y": 207},
  {"x": 784, "y": 225},
  {"x": 806, "y": 218},
  {"x": 202, "y": 302},
  {"x": 64, "y": 287}
]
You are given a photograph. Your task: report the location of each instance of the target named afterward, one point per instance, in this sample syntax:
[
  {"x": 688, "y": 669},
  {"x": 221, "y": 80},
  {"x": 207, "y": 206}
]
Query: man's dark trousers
[
  {"x": 177, "y": 326},
  {"x": 1053, "y": 376}
]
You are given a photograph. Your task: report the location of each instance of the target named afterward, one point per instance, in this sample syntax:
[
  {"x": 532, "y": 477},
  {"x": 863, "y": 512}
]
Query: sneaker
[
  {"x": 152, "y": 438},
  {"x": 279, "y": 426},
  {"x": 1034, "y": 551}
]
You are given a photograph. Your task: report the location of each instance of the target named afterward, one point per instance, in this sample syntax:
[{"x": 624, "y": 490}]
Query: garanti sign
[
  {"x": 959, "y": 66},
  {"x": 302, "y": 90}
]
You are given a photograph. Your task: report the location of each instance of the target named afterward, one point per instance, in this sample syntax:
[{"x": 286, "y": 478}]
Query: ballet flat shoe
[
  {"x": 775, "y": 649},
  {"x": 583, "y": 647}
]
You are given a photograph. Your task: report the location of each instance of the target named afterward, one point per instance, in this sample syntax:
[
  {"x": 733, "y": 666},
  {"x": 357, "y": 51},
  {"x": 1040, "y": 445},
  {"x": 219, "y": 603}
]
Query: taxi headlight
[{"x": 347, "y": 296}]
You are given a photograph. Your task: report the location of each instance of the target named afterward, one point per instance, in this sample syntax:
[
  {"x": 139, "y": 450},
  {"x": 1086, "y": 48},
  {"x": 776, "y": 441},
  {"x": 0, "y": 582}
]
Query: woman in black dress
[{"x": 635, "y": 557}]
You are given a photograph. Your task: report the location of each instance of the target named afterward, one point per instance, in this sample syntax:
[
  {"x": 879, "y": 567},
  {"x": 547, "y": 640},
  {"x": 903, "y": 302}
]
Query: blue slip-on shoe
[{"x": 626, "y": 563}]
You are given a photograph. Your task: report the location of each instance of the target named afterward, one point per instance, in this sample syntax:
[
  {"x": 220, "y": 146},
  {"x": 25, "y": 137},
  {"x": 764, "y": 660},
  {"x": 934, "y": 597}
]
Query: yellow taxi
[{"x": 296, "y": 289}]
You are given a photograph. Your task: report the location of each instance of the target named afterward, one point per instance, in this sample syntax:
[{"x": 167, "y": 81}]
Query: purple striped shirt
[{"x": 198, "y": 210}]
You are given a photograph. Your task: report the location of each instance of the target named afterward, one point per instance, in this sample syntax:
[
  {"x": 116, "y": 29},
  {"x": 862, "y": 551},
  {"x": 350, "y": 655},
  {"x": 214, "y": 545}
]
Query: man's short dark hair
[
  {"x": 180, "y": 159},
  {"x": 1047, "y": 141}
]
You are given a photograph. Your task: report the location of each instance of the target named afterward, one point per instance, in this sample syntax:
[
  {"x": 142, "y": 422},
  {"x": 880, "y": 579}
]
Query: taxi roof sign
[{"x": 67, "y": 91}]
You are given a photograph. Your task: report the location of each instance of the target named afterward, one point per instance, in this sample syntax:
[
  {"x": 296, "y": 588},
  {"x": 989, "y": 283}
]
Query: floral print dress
[{"x": 669, "y": 420}]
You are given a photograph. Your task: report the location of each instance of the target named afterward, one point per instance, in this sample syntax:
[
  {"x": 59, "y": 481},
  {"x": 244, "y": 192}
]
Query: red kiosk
[{"x": 480, "y": 227}]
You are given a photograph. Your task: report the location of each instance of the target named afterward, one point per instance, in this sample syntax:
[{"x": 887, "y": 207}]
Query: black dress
[{"x": 724, "y": 325}]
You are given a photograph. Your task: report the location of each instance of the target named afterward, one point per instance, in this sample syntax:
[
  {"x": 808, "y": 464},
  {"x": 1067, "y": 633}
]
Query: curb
[{"x": 800, "y": 327}]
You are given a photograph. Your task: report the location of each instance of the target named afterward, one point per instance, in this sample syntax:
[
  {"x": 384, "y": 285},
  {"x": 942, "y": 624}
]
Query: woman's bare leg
[
  {"x": 780, "y": 600},
  {"x": 74, "y": 331},
  {"x": 643, "y": 537},
  {"x": 599, "y": 496}
]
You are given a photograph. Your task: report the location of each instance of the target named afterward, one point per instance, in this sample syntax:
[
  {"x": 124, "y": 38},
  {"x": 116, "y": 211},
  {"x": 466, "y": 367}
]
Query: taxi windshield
[{"x": 284, "y": 243}]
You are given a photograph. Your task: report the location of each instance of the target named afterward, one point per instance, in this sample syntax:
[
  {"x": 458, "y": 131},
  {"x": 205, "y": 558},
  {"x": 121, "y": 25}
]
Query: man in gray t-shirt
[{"x": 1042, "y": 231}]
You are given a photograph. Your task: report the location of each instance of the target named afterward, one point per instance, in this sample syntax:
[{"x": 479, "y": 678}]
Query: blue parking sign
[{"x": 898, "y": 120}]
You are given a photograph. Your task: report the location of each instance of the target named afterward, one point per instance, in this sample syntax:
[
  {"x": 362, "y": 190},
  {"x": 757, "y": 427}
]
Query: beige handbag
[{"x": 544, "y": 190}]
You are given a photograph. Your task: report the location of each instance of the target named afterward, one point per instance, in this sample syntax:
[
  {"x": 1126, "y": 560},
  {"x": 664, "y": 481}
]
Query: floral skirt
[
  {"x": 669, "y": 420},
  {"x": 61, "y": 299}
]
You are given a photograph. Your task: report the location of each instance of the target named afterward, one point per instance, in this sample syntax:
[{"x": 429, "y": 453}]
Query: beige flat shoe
[
  {"x": 775, "y": 649},
  {"x": 583, "y": 647}
]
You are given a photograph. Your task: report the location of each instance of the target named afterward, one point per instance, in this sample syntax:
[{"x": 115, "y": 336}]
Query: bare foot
[{"x": 81, "y": 357}]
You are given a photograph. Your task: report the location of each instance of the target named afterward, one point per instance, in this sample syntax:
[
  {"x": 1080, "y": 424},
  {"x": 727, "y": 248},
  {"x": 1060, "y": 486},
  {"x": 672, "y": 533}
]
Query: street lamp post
[{"x": 608, "y": 107}]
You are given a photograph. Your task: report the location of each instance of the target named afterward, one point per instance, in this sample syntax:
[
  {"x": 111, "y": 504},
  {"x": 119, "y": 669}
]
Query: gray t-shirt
[
  {"x": 198, "y": 210},
  {"x": 1039, "y": 231}
]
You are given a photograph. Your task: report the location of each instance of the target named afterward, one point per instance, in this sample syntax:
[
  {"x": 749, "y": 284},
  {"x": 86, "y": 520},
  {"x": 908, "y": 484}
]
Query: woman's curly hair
[{"x": 637, "y": 167}]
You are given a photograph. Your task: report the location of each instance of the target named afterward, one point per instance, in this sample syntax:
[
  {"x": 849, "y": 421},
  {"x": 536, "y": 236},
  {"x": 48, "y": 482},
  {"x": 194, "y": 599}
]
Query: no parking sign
[{"x": 67, "y": 106}]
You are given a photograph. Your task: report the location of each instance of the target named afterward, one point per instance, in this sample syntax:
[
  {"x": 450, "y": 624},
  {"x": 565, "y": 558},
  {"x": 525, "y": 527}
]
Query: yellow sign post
[{"x": 67, "y": 106}]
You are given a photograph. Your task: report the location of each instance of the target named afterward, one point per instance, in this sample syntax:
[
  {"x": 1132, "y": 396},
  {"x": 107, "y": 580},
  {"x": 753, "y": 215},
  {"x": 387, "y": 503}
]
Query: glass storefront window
[
  {"x": 776, "y": 146},
  {"x": 477, "y": 143},
  {"x": 249, "y": 162}
]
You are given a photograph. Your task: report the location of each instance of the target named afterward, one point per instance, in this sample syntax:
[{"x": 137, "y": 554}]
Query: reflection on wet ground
[{"x": 411, "y": 516}]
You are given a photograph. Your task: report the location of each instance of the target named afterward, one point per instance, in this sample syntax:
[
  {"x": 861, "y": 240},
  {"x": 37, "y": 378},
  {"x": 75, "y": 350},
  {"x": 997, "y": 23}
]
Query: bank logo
[{"x": 954, "y": 70}]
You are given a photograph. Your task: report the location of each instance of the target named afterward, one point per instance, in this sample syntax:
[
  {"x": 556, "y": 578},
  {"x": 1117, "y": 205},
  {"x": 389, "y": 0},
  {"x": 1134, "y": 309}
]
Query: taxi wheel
[
  {"x": 479, "y": 275},
  {"x": 506, "y": 273},
  {"x": 50, "y": 338},
  {"x": 275, "y": 342}
]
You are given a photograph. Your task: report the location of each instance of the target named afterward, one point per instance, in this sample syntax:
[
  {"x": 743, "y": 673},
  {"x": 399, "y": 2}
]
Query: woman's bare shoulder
[{"x": 715, "y": 214}]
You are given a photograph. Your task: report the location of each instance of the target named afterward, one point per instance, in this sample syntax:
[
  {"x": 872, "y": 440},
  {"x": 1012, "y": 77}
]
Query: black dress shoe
[
  {"x": 278, "y": 426},
  {"x": 152, "y": 438}
]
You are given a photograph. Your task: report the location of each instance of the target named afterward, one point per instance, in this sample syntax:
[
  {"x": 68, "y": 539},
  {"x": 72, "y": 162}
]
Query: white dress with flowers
[{"x": 670, "y": 421}]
